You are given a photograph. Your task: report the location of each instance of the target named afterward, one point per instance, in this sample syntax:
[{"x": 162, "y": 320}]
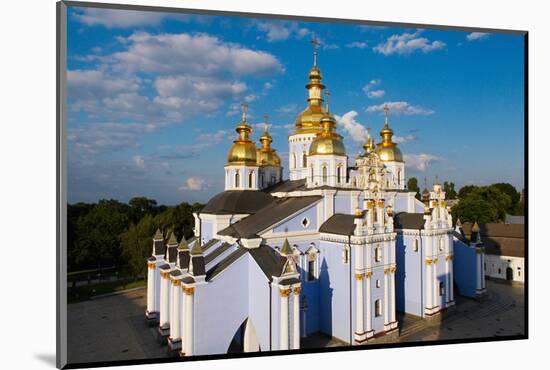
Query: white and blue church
[{"x": 339, "y": 248}]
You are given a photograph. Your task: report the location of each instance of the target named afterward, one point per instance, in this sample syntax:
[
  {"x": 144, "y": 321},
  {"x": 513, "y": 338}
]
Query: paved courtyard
[{"x": 112, "y": 328}]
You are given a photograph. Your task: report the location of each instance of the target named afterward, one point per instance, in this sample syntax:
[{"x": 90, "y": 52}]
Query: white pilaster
[
  {"x": 283, "y": 325},
  {"x": 386, "y": 297},
  {"x": 175, "y": 326},
  {"x": 296, "y": 319},
  {"x": 429, "y": 283},
  {"x": 150, "y": 287},
  {"x": 188, "y": 339},
  {"x": 435, "y": 284},
  {"x": 359, "y": 326},
  {"x": 369, "y": 303},
  {"x": 392, "y": 294},
  {"x": 164, "y": 320}
]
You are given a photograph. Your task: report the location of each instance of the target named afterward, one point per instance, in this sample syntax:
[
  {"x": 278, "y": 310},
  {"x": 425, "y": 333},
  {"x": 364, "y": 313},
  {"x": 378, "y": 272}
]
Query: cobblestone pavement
[
  {"x": 502, "y": 314},
  {"x": 112, "y": 328}
]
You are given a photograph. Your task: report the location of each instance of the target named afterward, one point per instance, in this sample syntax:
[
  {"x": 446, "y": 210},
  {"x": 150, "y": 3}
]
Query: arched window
[
  {"x": 339, "y": 174},
  {"x": 325, "y": 174},
  {"x": 377, "y": 308},
  {"x": 304, "y": 160},
  {"x": 293, "y": 161},
  {"x": 441, "y": 244},
  {"x": 441, "y": 288},
  {"x": 415, "y": 247},
  {"x": 251, "y": 179},
  {"x": 237, "y": 178},
  {"x": 378, "y": 254},
  {"x": 311, "y": 173},
  {"x": 312, "y": 263},
  {"x": 399, "y": 177}
]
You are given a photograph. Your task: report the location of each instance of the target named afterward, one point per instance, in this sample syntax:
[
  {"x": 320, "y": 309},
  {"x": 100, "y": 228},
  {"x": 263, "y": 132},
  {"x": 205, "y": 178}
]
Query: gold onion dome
[
  {"x": 369, "y": 146},
  {"x": 309, "y": 120},
  {"x": 327, "y": 141},
  {"x": 266, "y": 155},
  {"x": 387, "y": 149},
  {"x": 243, "y": 150}
]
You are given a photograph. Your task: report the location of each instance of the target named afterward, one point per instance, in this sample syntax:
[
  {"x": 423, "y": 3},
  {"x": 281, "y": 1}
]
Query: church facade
[{"x": 337, "y": 248}]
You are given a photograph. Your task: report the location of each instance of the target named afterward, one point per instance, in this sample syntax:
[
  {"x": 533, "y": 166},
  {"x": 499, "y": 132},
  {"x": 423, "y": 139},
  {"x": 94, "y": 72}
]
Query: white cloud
[
  {"x": 213, "y": 138},
  {"x": 118, "y": 18},
  {"x": 196, "y": 55},
  {"x": 357, "y": 45},
  {"x": 408, "y": 43},
  {"x": 356, "y": 131},
  {"x": 404, "y": 139},
  {"x": 373, "y": 94},
  {"x": 476, "y": 36},
  {"x": 400, "y": 108},
  {"x": 139, "y": 161},
  {"x": 282, "y": 30},
  {"x": 193, "y": 183},
  {"x": 420, "y": 162},
  {"x": 288, "y": 108}
]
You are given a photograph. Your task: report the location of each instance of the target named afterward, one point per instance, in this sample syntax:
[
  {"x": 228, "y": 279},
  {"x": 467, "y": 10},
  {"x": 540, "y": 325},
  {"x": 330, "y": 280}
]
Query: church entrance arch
[
  {"x": 509, "y": 274},
  {"x": 245, "y": 339}
]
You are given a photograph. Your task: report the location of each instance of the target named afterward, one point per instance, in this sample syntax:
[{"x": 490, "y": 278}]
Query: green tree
[
  {"x": 412, "y": 185},
  {"x": 465, "y": 190},
  {"x": 142, "y": 206},
  {"x": 137, "y": 242},
  {"x": 449, "y": 189},
  {"x": 510, "y": 190},
  {"x": 474, "y": 207},
  {"x": 98, "y": 234}
]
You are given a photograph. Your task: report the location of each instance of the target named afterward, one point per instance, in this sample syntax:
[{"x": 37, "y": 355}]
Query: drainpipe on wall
[{"x": 350, "y": 262}]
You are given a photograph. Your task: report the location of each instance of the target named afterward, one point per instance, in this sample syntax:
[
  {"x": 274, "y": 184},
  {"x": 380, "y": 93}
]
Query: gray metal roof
[
  {"x": 237, "y": 201},
  {"x": 339, "y": 223},
  {"x": 217, "y": 252},
  {"x": 277, "y": 211},
  {"x": 269, "y": 261},
  {"x": 405, "y": 220},
  {"x": 225, "y": 263},
  {"x": 287, "y": 186}
]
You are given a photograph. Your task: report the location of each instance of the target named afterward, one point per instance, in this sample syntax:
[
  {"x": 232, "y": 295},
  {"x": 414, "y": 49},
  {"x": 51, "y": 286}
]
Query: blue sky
[{"x": 153, "y": 98}]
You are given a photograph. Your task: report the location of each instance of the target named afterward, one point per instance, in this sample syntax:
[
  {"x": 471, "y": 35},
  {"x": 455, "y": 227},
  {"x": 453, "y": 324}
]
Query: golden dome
[
  {"x": 309, "y": 121},
  {"x": 266, "y": 155},
  {"x": 328, "y": 141},
  {"x": 387, "y": 149},
  {"x": 243, "y": 150}
]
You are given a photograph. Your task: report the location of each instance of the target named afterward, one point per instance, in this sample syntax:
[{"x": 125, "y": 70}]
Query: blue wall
[
  {"x": 409, "y": 275},
  {"x": 221, "y": 307},
  {"x": 295, "y": 223},
  {"x": 464, "y": 268},
  {"x": 334, "y": 285}
]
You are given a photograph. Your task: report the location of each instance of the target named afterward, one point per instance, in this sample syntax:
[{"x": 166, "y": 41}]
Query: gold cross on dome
[
  {"x": 327, "y": 96},
  {"x": 244, "y": 108},
  {"x": 316, "y": 43},
  {"x": 266, "y": 118}
]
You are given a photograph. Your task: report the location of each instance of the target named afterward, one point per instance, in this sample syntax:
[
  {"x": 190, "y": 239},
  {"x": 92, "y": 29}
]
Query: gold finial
[
  {"x": 266, "y": 118},
  {"x": 327, "y": 96},
  {"x": 315, "y": 42},
  {"x": 244, "y": 108},
  {"x": 386, "y": 110}
]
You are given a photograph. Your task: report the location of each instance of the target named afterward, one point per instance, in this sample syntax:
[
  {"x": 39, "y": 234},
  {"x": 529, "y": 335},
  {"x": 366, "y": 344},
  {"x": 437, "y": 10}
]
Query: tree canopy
[{"x": 412, "y": 185}]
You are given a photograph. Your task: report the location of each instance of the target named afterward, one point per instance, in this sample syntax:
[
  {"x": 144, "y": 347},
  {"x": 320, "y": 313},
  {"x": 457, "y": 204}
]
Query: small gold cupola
[
  {"x": 243, "y": 150},
  {"x": 369, "y": 146},
  {"x": 387, "y": 149},
  {"x": 328, "y": 141},
  {"x": 266, "y": 155}
]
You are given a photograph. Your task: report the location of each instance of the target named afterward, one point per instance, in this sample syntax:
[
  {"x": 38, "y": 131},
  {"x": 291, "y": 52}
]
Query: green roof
[
  {"x": 197, "y": 249},
  {"x": 286, "y": 249},
  {"x": 158, "y": 235},
  {"x": 183, "y": 244},
  {"x": 172, "y": 239}
]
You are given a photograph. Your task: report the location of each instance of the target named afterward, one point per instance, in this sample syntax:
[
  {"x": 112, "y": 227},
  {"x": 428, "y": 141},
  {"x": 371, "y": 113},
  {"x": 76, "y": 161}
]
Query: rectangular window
[
  {"x": 377, "y": 308},
  {"x": 311, "y": 270}
]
